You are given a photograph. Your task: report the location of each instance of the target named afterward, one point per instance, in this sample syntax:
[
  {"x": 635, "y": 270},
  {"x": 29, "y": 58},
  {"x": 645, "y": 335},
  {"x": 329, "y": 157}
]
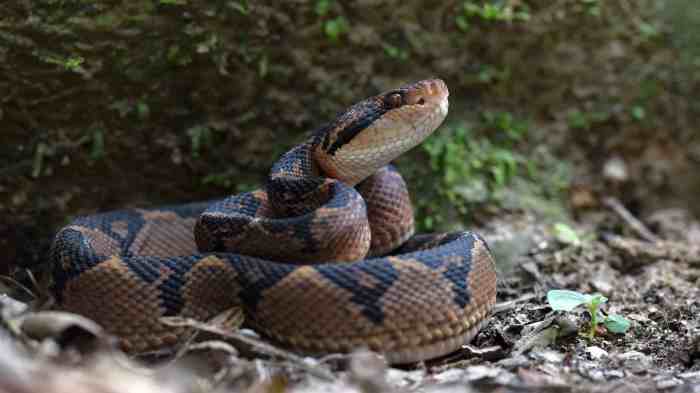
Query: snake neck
[{"x": 296, "y": 184}]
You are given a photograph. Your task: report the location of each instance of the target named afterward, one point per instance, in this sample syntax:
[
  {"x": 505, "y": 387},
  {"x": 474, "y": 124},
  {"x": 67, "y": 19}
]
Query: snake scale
[{"x": 322, "y": 259}]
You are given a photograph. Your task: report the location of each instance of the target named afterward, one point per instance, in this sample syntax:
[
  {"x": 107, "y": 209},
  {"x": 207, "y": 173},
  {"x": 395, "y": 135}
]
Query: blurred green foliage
[
  {"x": 473, "y": 166},
  {"x": 498, "y": 11}
]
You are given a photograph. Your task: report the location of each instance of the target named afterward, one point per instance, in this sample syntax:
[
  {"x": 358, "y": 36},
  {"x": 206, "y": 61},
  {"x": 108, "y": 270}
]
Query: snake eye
[
  {"x": 421, "y": 101},
  {"x": 393, "y": 100}
]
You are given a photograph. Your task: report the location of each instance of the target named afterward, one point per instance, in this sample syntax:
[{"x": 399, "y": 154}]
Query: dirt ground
[{"x": 526, "y": 346}]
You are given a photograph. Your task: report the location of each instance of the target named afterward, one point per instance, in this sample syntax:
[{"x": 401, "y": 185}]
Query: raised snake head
[{"x": 375, "y": 131}]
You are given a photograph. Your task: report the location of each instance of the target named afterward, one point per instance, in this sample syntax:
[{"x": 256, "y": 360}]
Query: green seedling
[{"x": 569, "y": 300}]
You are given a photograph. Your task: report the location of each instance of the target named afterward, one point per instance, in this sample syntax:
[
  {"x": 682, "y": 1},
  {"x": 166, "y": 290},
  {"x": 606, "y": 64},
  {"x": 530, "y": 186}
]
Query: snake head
[{"x": 375, "y": 131}]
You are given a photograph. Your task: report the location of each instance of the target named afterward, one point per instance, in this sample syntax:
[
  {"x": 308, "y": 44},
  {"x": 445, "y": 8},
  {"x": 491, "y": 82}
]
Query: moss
[{"x": 489, "y": 162}]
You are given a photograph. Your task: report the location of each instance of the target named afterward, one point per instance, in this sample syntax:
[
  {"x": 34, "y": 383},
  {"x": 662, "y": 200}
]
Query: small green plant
[
  {"x": 638, "y": 112},
  {"x": 322, "y": 7},
  {"x": 200, "y": 137},
  {"x": 140, "y": 108},
  {"x": 395, "y": 52},
  {"x": 485, "y": 164},
  {"x": 566, "y": 300},
  {"x": 335, "y": 28},
  {"x": 97, "y": 150},
  {"x": 566, "y": 235},
  {"x": 587, "y": 120},
  {"x": 241, "y": 6},
  {"x": 592, "y": 7},
  {"x": 472, "y": 169},
  {"x": 498, "y": 11},
  {"x": 69, "y": 63},
  {"x": 491, "y": 74}
]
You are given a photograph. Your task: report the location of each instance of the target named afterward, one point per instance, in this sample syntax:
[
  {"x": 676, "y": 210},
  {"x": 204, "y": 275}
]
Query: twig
[
  {"x": 258, "y": 345},
  {"x": 213, "y": 345},
  {"x": 507, "y": 305},
  {"x": 636, "y": 225},
  {"x": 55, "y": 97},
  {"x": 18, "y": 285}
]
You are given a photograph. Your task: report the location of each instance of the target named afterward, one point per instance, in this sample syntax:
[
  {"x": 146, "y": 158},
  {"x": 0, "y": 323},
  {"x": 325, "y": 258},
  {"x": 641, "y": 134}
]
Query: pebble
[{"x": 596, "y": 352}]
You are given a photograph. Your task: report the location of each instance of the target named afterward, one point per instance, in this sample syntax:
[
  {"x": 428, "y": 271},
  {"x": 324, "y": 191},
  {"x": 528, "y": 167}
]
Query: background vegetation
[{"x": 137, "y": 103}]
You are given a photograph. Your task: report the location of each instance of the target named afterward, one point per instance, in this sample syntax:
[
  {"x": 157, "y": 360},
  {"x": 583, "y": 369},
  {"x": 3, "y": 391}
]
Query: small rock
[
  {"x": 656, "y": 314},
  {"x": 635, "y": 362},
  {"x": 614, "y": 374},
  {"x": 249, "y": 333},
  {"x": 403, "y": 378},
  {"x": 451, "y": 375},
  {"x": 66, "y": 329},
  {"x": 596, "y": 352},
  {"x": 549, "y": 355},
  {"x": 637, "y": 317},
  {"x": 514, "y": 362},
  {"x": 675, "y": 224},
  {"x": 475, "y": 373},
  {"x": 596, "y": 374},
  {"x": 567, "y": 325},
  {"x": 602, "y": 285},
  {"x": 19, "y": 198},
  {"x": 616, "y": 49},
  {"x": 615, "y": 169},
  {"x": 368, "y": 371},
  {"x": 537, "y": 378},
  {"x": 694, "y": 349},
  {"x": 691, "y": 376},
  {"x": 668, "y": 383},
  {"x": 365, "y": 365}
]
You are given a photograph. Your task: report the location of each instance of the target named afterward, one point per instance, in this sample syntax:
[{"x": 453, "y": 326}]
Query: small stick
[
  {"x": 263, "y": 347},
  {"x": 19, "y": 285},
  {"x": 636, "y": 225},
  {"x": 510, "y": 304}
]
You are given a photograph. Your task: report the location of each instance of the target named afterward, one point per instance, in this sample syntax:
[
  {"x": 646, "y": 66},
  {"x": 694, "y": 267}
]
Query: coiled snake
[{"x": 322, "y": 259}]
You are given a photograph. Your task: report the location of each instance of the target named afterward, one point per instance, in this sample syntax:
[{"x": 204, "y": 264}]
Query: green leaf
[
  {"x": 39, "y": 153},
  {"x": 240, "y": 6},
  {"x": 322, "y": 7},
  {"x": 462, "y": 23},
  {"x": 638, "y": 113},
  {"x": 565, "y": 234},
  {"x": 561, "y": 299},
  {"x": 334, "y": 28},
  {"x": 143, "y": 110},
  {"x": 98, "y": 144},
  {"x": 595, "y": 299},
  {"x": 616, "y": 323}
]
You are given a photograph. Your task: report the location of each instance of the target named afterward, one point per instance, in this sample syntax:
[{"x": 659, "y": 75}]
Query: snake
[{"x": 323, "y": 258}]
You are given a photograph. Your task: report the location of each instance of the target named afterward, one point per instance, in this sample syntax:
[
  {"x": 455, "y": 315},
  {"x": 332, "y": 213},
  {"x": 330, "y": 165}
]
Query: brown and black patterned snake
[{"x": 322, "y": 259}]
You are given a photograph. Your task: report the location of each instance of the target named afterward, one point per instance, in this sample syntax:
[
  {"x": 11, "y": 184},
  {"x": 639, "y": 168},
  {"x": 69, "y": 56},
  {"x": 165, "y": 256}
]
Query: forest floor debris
[{"x": 525, "y": 347}]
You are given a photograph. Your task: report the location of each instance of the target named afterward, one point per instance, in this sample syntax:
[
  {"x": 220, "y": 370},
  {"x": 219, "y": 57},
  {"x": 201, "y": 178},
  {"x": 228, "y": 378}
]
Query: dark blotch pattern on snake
[{"x": 322, "y": 259}]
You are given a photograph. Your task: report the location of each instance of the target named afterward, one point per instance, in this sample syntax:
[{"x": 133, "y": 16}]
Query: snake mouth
[{"x": 430, "y": 92}]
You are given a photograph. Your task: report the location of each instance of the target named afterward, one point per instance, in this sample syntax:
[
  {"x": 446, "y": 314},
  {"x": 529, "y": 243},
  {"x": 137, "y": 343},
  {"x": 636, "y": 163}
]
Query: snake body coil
[{"x": 323, "y": 259}]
